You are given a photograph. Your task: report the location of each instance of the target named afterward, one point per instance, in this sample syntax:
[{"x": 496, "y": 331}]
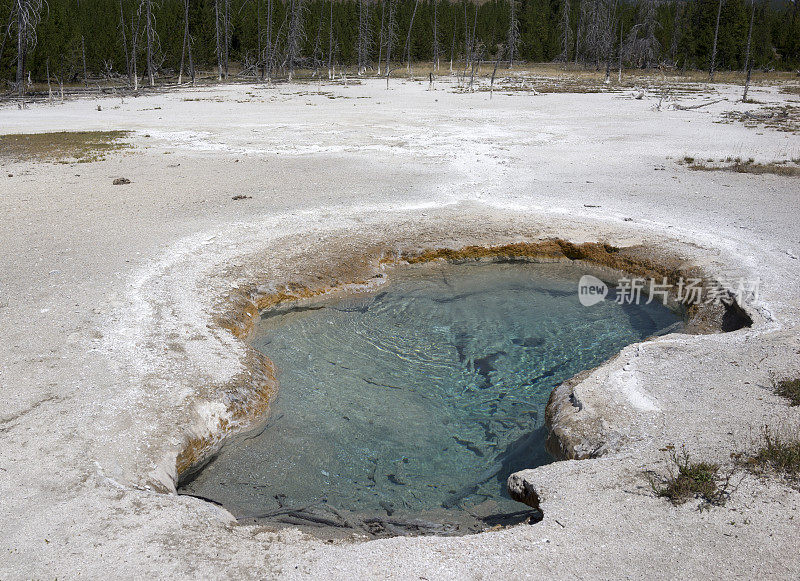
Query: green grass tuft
[{"x": 689, "y": 479}]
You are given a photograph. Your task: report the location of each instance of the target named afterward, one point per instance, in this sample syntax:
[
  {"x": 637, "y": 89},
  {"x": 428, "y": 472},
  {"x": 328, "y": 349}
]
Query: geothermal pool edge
[{"x": 249, "y": 406}]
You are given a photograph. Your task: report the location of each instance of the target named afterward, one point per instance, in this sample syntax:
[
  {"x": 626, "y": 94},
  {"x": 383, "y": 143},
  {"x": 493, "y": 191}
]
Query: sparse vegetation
[
  {"x": 62, "y": 147},
  {"x": 688, "y": 479},
  {"x": 780, "y": 117},
  {"x": 790, "y": 389},
  {"x": 790, "y": 168},
  {"x": 779, "y": 453}
]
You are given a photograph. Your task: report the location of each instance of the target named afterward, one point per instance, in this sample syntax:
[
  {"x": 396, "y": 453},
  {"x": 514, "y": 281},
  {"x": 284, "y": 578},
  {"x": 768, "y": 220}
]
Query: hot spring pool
[{"x": 414, "y": 403}]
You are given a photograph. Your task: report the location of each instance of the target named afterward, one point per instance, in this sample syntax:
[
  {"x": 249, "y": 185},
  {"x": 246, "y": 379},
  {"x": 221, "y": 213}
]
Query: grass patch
[
  {"x": 62, "y": 147},
  {"x": 688, "y": 479},
  {"x": 779, "y": 453},
  {"x": 790, "y": 389},
  {"x": 779, "y": 117},
  {"x": 788, "y": 168}
]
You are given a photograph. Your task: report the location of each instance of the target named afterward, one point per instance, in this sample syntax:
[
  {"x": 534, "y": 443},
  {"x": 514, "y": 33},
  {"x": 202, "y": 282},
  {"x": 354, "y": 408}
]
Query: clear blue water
[{"x": 417, "y": 401}]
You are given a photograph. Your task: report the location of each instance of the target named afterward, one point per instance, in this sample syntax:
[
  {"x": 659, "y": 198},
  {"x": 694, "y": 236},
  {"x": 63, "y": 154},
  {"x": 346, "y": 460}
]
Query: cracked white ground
[{"x": 106, "y": 294}]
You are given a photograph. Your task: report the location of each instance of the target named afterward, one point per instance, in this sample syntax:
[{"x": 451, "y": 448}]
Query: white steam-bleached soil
[{"x": 108, "y": 354}]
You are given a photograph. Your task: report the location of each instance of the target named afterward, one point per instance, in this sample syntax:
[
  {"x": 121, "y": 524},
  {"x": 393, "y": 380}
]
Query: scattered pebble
[
  {"x": 241, "y": 197},
  {"x": 121, "y": 181}
]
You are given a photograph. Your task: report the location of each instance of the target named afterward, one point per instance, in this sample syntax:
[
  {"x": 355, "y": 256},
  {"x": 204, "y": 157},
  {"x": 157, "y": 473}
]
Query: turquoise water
[{"x": 414, "y": 403}]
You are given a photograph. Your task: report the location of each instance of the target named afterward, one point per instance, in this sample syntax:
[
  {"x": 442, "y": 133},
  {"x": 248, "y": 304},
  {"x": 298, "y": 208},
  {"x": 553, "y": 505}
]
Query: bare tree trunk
[
  {"x": 259, "y": 36},
  {"x": 25, "y": 13},
  {"x": 467, "y": 46},
  {"x": 381, "y": 36},
  {"x": 268, "y": 57},
  {"x": 21, "y": 47},
  {"x": 453, "y": 43},
  {"x": 363, "y": 36},
  {"x": 714, "y": 47},
  {"x": 748, "y": 62},
  {"x": 217, "y": 35},
  {"x": 513, "y": 33},
  {"x": 494, "y": 72},
  {"x": 185, "y": 38},
  {"x": 125, "y": 43},
  {"x": 610, "y": 42},
  {"x": 294, "y": 35},
  {"x": 189, "y": 46},
  {"x": 408, "y": 38},
  {"x": 476, "y": 63},
  {"x": 331, "y": 72},
  {"x": 566, "y": 31},
  {"x": 389, "y": 37},
  {"x": 227, "y": 35},
  {"x": 435, "y": 35},
  {"x": 149, "y": 32},
  {"x": 134, "y": 44}
]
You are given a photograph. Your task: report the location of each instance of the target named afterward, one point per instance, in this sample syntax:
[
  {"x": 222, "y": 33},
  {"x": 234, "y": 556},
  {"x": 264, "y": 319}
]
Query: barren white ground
[{"x": 105, "y": 295}]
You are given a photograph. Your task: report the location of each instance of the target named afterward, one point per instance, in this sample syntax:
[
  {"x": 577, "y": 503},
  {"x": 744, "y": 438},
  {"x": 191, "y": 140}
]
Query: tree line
[{"x": 73, "y": 41}]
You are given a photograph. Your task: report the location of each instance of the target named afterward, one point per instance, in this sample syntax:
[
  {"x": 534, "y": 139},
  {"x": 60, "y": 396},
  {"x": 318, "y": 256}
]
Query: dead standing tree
[
  {"x": 748, "y": 62},
  {"x": 381, "y": 35},
  {"x": 331, "y": 47},
  {"x": 391, "y": 26},
  {"x": 711, "y": 69},
  {"x": 267, "y": 54},
  {"x": 187, "y": 44},
  {"x": 135, "y": 29},
  {"x": 222, "y": 35},
  {"x": 609, "y": 40},
  {"x": 364, "y": 36},
  {"x": 408, "y": 38},
  {"x": 436, "y": 47},
  {"x": 25, "y": 15},
  {"x": 150, "y": 36},
  {"x": 566, "y": 32},
  {"x": 294, "y": 35},
  {"x": 642, "y": 46},
  {"x": 512, "y": 43},
  {"x": 219, "y": 35},
  {"x": 128, "y": 69}
]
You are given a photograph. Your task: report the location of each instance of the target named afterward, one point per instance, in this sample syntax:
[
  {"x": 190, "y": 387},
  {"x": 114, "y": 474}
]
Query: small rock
[
  {"x": 11, "y": 175},
  {"x": 121, "y": 181},
  {"x": 241, "y": 197},
  {"x": 522, "y": 490}
]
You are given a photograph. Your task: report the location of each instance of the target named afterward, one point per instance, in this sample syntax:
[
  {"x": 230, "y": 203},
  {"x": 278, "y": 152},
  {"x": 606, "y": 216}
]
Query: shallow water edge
[{"x": 247, "y": 400}]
